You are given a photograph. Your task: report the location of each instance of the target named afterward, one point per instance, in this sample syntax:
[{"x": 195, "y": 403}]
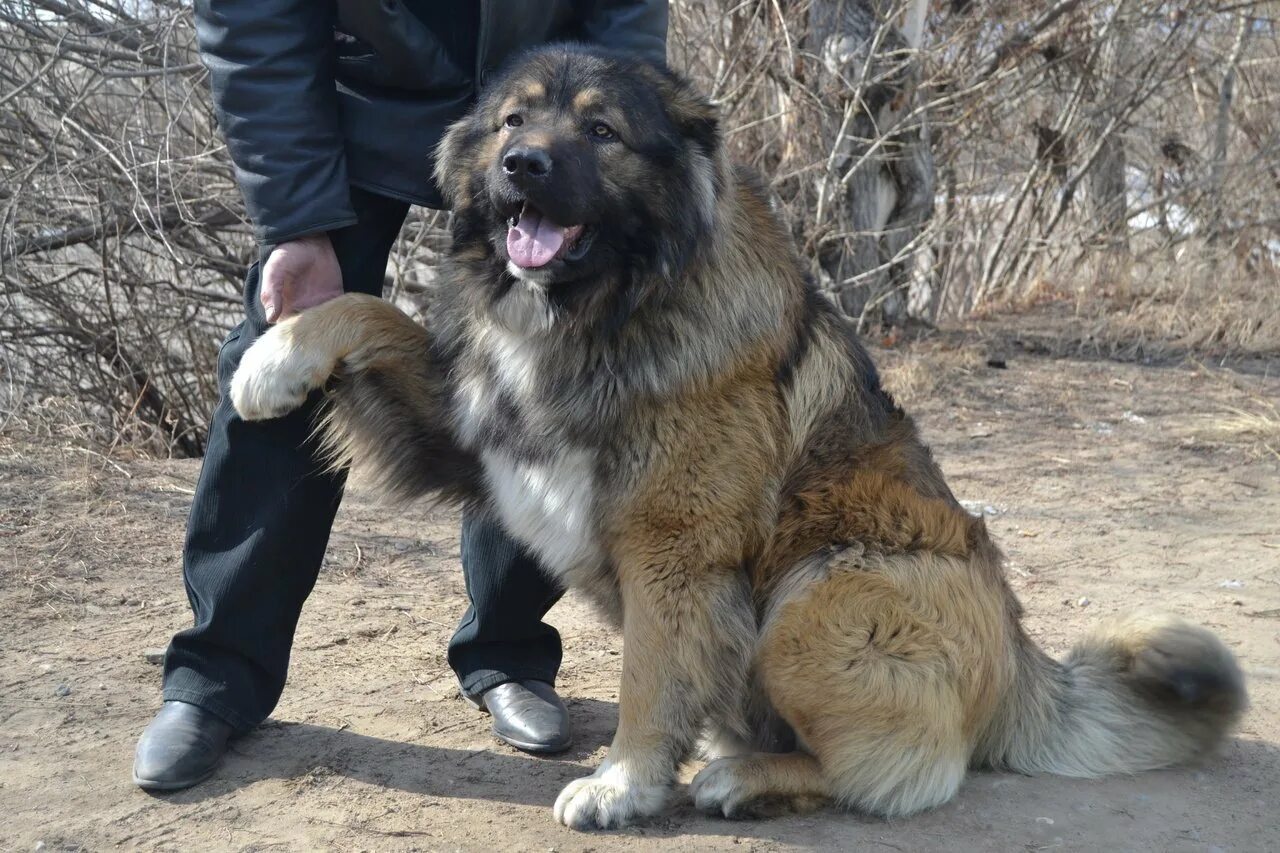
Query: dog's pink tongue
[{"x": 534, "y": 240}]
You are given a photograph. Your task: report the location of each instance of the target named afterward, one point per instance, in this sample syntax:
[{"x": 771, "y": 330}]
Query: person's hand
[{"x": 299, "y": 274}]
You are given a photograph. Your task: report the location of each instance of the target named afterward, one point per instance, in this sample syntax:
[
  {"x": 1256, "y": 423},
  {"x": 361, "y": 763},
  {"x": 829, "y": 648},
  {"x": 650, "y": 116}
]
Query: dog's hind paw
[
  {"x": 740, "y": 787},
  {"x": 276, "y": 374},
  {"x": 718, "y": 788},
  {"x": 607, "y": 800}
]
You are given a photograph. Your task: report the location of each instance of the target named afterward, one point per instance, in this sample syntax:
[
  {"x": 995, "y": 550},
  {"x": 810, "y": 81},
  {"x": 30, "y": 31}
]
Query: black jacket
[{"x": 314, "y": 96}]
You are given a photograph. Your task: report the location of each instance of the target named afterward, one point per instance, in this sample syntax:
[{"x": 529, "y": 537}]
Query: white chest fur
[
  {"x": 514, "y": 357},
  {"x": 547, "y": 506}
]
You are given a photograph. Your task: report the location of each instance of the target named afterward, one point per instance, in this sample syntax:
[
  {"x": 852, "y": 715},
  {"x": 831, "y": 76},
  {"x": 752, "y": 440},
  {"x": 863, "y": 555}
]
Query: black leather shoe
[
  {"x": 180, "y": 748},
  {"x": 529, "y": 716}
]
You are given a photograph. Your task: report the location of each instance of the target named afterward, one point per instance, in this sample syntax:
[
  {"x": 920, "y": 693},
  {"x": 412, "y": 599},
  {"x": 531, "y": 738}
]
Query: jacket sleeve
[
  {"x": 270, "y": 66},
  {"x": 638, "y": 26}
]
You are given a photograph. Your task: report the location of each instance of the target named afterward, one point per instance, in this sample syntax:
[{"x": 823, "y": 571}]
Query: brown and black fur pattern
[{"x": 679, "y": 425}]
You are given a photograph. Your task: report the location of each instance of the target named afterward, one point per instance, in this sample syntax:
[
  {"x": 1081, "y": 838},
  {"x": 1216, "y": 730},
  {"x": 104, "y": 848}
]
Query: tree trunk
[
  {"x": 1222, "y": 127},
  {"x": 877, "y": 191},
  {"x": 1105, "y": 183}
]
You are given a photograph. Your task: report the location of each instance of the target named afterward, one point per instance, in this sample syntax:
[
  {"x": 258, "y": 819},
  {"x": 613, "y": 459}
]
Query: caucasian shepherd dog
[{"x": 628, "y": 365}]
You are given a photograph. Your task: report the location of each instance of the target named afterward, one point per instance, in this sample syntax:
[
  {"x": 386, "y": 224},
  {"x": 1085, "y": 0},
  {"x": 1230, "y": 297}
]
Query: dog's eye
[
  {"x": 600, "y": 130},
  {"x": 514, "y": 120}
]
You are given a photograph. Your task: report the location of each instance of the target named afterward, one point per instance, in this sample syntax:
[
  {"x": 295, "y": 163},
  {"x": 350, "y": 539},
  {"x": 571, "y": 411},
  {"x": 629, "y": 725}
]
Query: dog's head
[{"x": 581, "y": 167}]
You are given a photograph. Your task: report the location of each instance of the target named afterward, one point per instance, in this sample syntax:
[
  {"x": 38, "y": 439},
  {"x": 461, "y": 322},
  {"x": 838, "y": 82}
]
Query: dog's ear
[
  {"x": 695, "y": 117},
  {"x": 455, "y": 162}
]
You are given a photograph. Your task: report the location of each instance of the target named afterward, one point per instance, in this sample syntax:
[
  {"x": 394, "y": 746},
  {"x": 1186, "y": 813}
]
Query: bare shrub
[
  {"x": 122, "y": 243},
  {"x": 1085, "y": 145},
  {"x": 934, "y": 159}
]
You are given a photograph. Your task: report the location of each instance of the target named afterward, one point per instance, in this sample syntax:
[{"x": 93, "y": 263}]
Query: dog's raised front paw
[
  {"x": 276, "y": 375},
  {"x": 607, "y": 800}
]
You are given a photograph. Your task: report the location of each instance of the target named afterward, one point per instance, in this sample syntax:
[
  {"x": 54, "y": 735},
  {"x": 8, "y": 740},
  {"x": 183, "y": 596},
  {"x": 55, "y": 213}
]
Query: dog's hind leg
[
  {"x": 870, "y": 686},
  {"x": 760, "y": 785}
]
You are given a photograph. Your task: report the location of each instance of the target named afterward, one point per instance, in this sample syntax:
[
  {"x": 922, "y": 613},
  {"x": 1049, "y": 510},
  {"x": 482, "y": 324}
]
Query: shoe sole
[
  {"x": 158, "y": 785},
  {"x": 535, "y": 748}
]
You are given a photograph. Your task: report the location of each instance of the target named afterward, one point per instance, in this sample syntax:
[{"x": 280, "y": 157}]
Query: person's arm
[
  {"x": 636, "y": 26},
  {"x": 271, "y": 72}
]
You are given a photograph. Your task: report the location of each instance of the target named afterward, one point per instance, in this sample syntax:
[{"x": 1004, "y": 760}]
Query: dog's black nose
[{"x": 525, "y": 162}]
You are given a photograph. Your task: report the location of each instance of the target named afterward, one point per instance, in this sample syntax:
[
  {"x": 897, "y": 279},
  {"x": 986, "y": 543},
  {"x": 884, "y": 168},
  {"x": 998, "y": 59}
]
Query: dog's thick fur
[{"x": 680, "y": 426}]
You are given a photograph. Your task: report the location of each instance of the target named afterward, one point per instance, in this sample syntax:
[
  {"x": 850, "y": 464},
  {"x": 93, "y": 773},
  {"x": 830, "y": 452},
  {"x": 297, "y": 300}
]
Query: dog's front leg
[
  {"x": 688, "y": 631},
  {"x": 298, "y": 356},
  {"x": 387, "y": 405}
]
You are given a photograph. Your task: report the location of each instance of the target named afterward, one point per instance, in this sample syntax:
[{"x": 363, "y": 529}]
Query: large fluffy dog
[{"x": 627, "y": 365}]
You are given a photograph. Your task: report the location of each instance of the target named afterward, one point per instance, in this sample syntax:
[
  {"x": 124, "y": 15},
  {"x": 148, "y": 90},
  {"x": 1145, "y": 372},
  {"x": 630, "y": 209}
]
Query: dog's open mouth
[{"x": 534, "y": 241}]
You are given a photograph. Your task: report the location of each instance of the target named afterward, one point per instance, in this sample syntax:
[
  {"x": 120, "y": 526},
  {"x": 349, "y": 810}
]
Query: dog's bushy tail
[
  {"x": 1137, "y": 693},
  {"x": 387, "y": 412}
]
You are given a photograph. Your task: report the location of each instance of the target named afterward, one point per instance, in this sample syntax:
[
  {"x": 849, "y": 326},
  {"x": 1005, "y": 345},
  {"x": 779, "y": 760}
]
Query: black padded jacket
[{"x": 315, "y": 96}]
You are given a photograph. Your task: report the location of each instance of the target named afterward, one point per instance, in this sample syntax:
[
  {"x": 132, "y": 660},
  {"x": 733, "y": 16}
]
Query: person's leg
[
  {"x": 506, "y": 658},
  {"x": 502, "y": 636},
  {"x": 261, "y": 516}
]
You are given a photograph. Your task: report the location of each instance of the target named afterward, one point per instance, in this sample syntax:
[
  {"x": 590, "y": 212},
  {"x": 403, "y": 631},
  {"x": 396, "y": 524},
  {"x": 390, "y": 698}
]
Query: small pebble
[
  {"x": 46, "y": 667},
  {"x": 153, "y": 655},
  {"x": 1047, "y": 821},
  {"x": 62, "y": 690},
  {"x": 1083, "y": 602},
  {"x": 979, "y": 508}
]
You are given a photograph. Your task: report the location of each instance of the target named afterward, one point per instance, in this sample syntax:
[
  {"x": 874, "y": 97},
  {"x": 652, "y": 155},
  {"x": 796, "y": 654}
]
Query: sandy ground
[{"x": 1109, "y": 485}]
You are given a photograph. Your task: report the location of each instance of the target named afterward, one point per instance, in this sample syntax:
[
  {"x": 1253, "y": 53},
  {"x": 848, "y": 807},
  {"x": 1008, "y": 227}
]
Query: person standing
[{"x": 331, "y": 111}]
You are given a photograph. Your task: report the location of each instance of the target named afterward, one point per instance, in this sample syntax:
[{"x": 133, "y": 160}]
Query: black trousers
[{"x": 260, "y": 522}]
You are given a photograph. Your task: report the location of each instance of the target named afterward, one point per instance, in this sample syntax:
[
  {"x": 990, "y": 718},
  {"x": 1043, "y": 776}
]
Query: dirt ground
[{"x": 1109, "y": 485}]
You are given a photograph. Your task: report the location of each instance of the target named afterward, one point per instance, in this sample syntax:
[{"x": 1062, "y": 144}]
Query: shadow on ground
[{"x": 295, "y": 751}]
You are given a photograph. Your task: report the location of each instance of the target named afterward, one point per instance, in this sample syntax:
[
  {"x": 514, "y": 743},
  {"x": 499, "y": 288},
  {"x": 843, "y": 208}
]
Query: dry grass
[
  {"x": 1256, "y": 429},
  {"x": 1203, "y": 301},
  {"x": 1202, "y": 311},
  {"x": 50, "y": 461},
  {"x": 913, "y": 375}
]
